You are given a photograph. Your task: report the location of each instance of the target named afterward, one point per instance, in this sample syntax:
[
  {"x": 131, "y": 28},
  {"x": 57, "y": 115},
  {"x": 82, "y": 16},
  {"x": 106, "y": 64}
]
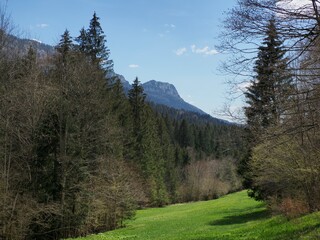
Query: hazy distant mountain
[
  {"x": 167, "y": 94},
  {"x": 22, "y": 46},
  {"x": 163, "y": 94},
  {"x": 157, "y": 92}
]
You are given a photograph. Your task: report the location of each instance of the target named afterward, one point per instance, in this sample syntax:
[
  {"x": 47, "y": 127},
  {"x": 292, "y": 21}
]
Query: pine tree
[
  {"x": 82, "y": 41},
  {"x": 146, "y": 148},
  {"x": 92, "y": 42},
  {"x": 185, "y": 135},
  {"x": 137, "y": 101},
  {"x": 137, "y": 104},
  {"x": 270, "y": 89},
  {"x": 65, "y": 45},
  {"x": 266, "y": 97}
]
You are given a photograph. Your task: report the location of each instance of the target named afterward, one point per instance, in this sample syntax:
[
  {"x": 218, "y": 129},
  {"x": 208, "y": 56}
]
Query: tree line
[
  {"x": 281, "y": 166},
  {"x": 78, "y": 156}
]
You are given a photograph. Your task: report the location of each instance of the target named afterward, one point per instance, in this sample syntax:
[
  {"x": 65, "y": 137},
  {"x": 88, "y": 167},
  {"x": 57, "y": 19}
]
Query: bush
[
  {"x": 286, "y": 170},
  {"x": 209, "y": 179},
  {"x": 289, "y": 207}
]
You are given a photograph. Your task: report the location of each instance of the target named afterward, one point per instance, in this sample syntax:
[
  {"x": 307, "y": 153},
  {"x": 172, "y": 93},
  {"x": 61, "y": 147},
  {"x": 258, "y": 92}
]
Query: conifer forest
[{"x": 78, "y": 156}]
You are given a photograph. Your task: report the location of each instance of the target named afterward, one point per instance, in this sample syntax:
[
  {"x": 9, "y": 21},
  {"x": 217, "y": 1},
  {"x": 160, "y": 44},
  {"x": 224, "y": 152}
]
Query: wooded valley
[{"x": 78, "y": 156}]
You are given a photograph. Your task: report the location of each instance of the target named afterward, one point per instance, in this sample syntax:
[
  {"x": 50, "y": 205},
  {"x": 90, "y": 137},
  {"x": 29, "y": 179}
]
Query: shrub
[
  {"x": 289, "y": 207},
  {"x": 208, "y": 179}
]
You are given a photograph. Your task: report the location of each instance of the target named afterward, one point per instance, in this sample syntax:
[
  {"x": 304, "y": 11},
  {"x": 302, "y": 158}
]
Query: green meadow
[{"x": 234, "y": 216}]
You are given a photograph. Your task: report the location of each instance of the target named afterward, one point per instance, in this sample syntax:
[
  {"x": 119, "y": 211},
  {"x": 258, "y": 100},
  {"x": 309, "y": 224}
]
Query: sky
[{"x": 164, "y": 40}]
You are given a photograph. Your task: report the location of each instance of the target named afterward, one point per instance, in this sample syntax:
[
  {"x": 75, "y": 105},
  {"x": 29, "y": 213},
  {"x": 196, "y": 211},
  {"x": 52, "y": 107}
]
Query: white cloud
[
  {"x": 133, "y": 66},
  {"x": 170, "y": 25},
  {"x": 204, "y": 51},
  {"x": 42, "y": 25},
  {"x": 180, "y": 51},
  {"x": 168, "y": 28},
  {"x": 291, "y": 5},
  {"x": 300, "y": 2}
]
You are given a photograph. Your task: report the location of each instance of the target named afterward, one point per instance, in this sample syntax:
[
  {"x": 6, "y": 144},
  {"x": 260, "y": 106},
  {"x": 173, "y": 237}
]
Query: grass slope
[{"x": 235, "y": 216}]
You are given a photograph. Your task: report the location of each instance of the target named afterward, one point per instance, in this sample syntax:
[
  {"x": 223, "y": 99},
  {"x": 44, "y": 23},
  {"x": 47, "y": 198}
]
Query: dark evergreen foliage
[
  {"x": 77, "y": 156},
  {"x": 266, "y": 97},
  {"x": 65, "y": 45},
  {"x": 209, "y": 136},
  {"x": 270, "y": 89},
  {"x": 92, "y": 42}
]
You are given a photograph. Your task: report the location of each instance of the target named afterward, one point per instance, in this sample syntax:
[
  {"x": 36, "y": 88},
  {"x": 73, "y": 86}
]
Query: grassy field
[{"x": 231, "y": 217}]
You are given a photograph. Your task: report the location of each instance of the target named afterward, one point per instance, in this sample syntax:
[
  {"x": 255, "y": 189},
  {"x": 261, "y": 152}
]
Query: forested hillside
[
  {"x": 77, "y": 156},
  {"x": 278, "y": 51}
]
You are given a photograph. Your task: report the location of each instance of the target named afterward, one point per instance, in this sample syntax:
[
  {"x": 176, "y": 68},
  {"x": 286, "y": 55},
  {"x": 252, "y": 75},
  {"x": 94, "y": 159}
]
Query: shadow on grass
[
  {"x": 309, "y": 232},
  {"x": 241, "y": 218}
]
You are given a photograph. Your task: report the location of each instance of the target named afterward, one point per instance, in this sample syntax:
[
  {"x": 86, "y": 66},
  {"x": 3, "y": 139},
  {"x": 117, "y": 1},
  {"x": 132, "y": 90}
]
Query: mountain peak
[
  {"x": 160, "y": 88},
  {"x": 166, "y": 94},
  {"x": 162, "y": 93}
]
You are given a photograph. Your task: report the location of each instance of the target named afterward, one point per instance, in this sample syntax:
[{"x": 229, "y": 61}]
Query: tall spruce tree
[
  {"x": 82, "y": 41},
  {"x": 137, "y": 103},
  {"x": 185, "y": 135},
  {"x": 270, "y": 89},
  {"x": 145, "y": 147},
  {"x": 65, "y": 45},
  {"x": 266, "y": 97},
  {"x": 93, "y": 43}
]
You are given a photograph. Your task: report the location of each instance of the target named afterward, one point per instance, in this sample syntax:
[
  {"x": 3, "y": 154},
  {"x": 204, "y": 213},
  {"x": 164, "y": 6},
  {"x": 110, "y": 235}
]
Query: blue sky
[{"x": 165, "y": 40}]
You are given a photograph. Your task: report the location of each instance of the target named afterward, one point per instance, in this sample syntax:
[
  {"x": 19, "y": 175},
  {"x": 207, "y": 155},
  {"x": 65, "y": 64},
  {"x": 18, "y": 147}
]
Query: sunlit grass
[{"x": 235, "y": 216}]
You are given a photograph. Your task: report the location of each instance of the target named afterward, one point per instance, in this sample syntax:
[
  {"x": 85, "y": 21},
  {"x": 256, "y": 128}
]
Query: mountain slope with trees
[
  {"x": 163, "y": 94},
  {"x": 166, "y": 94},
  {"x": 282, "y": 112},
  {"x": 77, "y": 156}
]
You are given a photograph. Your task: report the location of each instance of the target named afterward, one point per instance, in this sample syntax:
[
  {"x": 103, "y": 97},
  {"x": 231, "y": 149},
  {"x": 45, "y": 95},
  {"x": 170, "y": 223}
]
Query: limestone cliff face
[
  {"x": 163, "y": 93},
  {"x": 161, "y": 89},
  {"x": 167, "y": 94}
]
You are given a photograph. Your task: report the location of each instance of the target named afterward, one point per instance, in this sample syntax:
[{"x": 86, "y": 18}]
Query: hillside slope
[
  {"x": 167, "y": 94},
  {"x": 164, "y": 94},
  {"x": 160, "y": 93},
  {"x": 235, "y": 216}
]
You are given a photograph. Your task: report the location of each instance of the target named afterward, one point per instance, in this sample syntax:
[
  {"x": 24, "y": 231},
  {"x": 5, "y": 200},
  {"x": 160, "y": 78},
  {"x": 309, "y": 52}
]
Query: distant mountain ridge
[
  {"x": 167, "y": 94},
  {"x": 157, "y": 92},
  {"x": 164, "y": 94},
  {"x": 22, "y": 45}
]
